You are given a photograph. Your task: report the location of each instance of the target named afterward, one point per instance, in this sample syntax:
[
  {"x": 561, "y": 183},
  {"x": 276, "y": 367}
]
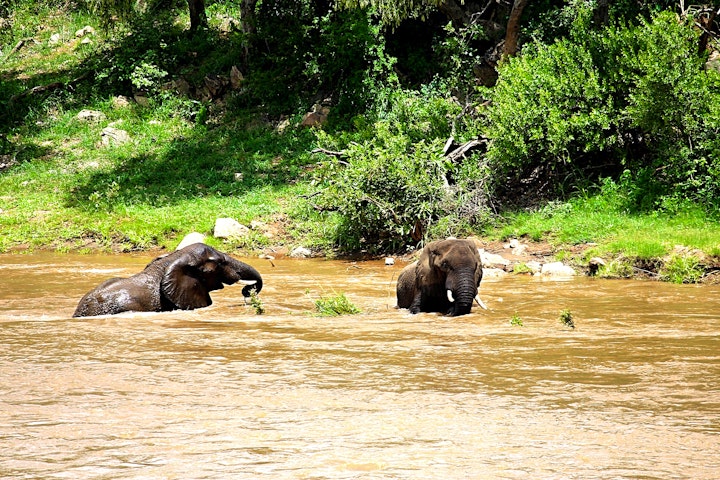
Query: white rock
[
  {"x": 557, "y": 269},
  {"x": 90, "y": 116},
  {"x": 111, "y": 135},
  {"x": 300, "y": 252},
  {"x": 229, "y": 228},
  {"x": 389, "y": 261},
  {"x": 493, "y": 273},
  {"x": 121, "y": 101},
  {"x": 54, "y": 39},
  {"x": 191, "y": 238},
  {"x": 86, "y": 30},
  {"x": 534, "y": 266},
  {"x": 492, "y": 260}
]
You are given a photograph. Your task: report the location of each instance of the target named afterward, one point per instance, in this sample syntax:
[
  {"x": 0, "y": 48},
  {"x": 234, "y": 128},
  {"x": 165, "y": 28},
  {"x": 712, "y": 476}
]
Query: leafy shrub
[
  {"x": 396, "y": 183},
  {"x": 332, "y": 306},
  {"x": 682, "y": 269},
  {"x": 549, "y": 109},
  {"x": 599, "y": 102},
  {"x": 566, "y": 318},
  {"x": 345, "y": 61}
]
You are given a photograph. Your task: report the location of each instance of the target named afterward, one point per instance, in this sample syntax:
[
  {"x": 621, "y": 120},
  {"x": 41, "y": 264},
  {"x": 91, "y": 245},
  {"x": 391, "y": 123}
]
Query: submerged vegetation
[
  {"x": 600, "y": 131},
  {"x": 334, "y": 305}
]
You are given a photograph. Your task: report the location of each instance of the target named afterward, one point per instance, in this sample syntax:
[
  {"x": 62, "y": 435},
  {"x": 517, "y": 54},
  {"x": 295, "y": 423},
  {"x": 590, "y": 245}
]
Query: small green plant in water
[
  {"x": 566, "y": 318},
  {"x": 332, "y": 306},
  {"x": 516, "y": 321},
  {"x": 521, "y": 268},
  {"x": 256, "y": 303}
]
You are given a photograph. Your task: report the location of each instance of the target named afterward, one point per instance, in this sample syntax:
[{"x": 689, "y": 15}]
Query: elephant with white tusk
[
  {"x": 445, "y": 279},
  {"x": 181, "y": 280}
]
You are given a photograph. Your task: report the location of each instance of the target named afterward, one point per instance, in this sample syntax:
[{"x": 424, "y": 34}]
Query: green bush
[
  {"x": 335, "y": 305},
  {"x": 601, "y": 101},
  {"x": 396, "y": 183}
]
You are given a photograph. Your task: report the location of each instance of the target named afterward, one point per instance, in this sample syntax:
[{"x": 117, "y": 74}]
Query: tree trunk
[
  {"x": 513, "y": 28},
  {"x": 198, "y": 18},
  {"x": 247, "y": 16},
  {"x": 455, "y": 13},
  {"x": 705, "y": 20},
  {"x": 601, "y": 13}
]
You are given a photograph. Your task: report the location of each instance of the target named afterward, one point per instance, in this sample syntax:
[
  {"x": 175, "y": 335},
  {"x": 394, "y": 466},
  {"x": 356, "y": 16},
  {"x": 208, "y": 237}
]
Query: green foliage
[
  {"x": 682, "y": 268},
  {"x": 618, "y": 268},
  {"x": 522, "y": 268},
  {"x": 602, "y": 100},
  {"x": 335, "y": 305},
  {"x": 256, "y": 302},
  {"x": 396, "y": 182},
  {"x": 516, "y": 321},
  {"x": 345, "y": 62},
  {"x": 549, "y": 109},
  {"x": 566, "y": 318},
  {"x": 392, "y": 13}
]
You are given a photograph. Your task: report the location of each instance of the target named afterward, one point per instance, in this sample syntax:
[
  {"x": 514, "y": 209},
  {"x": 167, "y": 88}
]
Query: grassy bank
[{"x": 188, "y": 162}]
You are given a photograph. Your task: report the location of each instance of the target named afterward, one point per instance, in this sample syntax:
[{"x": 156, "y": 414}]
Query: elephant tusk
[
  {"x": 480, "y": 302},
  {"x": 247, "y": 282},
  {"x": 450, "y": 297}
]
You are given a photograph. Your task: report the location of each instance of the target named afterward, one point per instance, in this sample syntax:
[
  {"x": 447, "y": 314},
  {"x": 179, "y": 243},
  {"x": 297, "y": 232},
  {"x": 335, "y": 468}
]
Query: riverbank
[{"x": 89, "y": 169}]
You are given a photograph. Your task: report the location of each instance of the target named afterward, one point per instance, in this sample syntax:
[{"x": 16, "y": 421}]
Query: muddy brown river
[{"x": 223, "y": 393}]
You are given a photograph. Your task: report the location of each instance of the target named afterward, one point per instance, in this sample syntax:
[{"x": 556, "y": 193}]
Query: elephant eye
[{"x": 445, "y": 265}]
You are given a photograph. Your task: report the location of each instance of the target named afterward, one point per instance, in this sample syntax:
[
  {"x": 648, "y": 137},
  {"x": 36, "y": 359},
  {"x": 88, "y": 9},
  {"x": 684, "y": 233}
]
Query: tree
[
  {"x": 512, "y": 32},
  {"x": 126, "y": 8},
  {"x": 198, "y": 18}
]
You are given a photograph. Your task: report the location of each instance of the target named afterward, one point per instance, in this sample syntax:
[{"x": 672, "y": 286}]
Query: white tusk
[
  {"x": 450, "y": 297},
  {"x": 480, "y": 302},
  {"x": 247, "y": 282}
]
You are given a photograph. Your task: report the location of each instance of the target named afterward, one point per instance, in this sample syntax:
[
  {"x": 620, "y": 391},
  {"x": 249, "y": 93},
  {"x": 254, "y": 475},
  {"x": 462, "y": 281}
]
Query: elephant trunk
[
  {"x": 249, "y": 274},
  {"x": 461, "y": 292}
]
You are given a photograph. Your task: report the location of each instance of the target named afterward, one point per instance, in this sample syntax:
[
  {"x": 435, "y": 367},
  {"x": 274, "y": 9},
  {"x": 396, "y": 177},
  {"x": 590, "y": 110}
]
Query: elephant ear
[{"x": 184, "y": 283}]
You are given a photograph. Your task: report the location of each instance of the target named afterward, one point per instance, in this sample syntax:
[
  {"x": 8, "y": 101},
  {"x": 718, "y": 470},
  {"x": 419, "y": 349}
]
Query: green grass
[{"x": 615, "y": 231}]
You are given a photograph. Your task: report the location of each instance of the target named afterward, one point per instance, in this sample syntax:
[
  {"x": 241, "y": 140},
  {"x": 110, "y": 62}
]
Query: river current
[{"x": 222, "y": 392}]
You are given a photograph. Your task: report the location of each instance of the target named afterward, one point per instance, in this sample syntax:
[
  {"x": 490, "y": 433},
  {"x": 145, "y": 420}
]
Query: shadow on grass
[{"x": 209, "y": 163}]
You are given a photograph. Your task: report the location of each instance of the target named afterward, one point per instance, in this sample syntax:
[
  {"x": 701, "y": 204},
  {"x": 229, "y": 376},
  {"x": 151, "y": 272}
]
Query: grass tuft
[{"x": 335, "y": 305}]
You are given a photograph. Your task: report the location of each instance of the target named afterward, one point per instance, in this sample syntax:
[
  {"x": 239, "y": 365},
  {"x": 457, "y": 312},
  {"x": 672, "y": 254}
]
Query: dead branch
[
  {"x": 455, "y": 154},
  {"x": 337, "y": 154},
  {"x": 46, "y": 88}
]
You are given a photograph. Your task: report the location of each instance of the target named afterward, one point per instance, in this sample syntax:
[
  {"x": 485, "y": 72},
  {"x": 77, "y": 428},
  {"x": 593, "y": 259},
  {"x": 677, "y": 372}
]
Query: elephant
[
  {"x": 180, "y": 280},
  {"x": 444, "y": 279}
]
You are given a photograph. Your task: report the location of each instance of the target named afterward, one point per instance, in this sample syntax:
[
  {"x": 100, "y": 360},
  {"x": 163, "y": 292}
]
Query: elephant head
[
  {"x": 444, "y": 279},
  {"x": 181, "y": 280}
]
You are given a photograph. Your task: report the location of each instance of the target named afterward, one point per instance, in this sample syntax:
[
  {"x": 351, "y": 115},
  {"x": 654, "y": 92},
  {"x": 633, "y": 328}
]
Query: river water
[{"x": 631, "y": 392}]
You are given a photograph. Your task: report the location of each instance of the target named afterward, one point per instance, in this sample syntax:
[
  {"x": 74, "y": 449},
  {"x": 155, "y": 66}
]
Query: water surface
[{"x": 631, "y": 392}]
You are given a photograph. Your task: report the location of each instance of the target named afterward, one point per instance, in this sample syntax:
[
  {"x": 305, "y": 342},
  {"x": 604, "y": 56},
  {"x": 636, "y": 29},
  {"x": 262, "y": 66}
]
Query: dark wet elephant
[
  {"x": 445, "y": 279},
  {"x": 181, "y": 280}
]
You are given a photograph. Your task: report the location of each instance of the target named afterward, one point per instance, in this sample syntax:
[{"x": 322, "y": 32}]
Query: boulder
[
  {"x": 90, "y": 116},
  {"x": 492, "y": 260},
  {"x": 86, "y": 30},
  {"x": 317, "y": 117},
  {"x": 121, "y": 101},
  {"x": 236, "y": 78},
  {"x": 300, "y": 252},
  {"x": 493, "y": 273},
  {"x": 114, "y": 136},
  {"x": 191, "y": 238},
  {"x": 557, "y": 269},
  {"x": 229, "y": 228}
]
